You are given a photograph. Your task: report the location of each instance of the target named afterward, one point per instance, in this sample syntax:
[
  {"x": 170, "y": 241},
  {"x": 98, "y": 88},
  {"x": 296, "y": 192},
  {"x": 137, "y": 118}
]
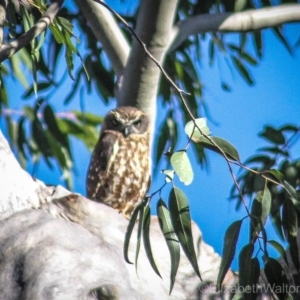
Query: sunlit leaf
[
  {"x": 167, "y": 229},
  {"x": 146, "y": 239},
  {"x": 88, "y": 118},
  {"x": 169, "y": 175},
  {"x": 182, "y": 166},
  {"x": 180, "y": 216},
  {"x": 192, "y": 131},
  {"x": 228, "y": 252}
]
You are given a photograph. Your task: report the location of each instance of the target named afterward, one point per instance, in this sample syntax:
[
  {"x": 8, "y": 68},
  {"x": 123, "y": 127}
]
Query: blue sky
[{"x": 237, "y": 116}]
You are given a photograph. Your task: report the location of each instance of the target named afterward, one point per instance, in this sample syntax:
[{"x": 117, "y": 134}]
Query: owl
[{"x": 119, "y": 170}]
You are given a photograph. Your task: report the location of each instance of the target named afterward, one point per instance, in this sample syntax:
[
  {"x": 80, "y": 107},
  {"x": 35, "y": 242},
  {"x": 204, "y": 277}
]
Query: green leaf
[
  {"x": 139, "y": 233},
  {"x": 229, "y": 247},
  {"x": 129, "y": 230},
  {"x": 225, "y": 87},
  {"x": 260, "y": 211},
  {"x": 146, "y": 239},
  {"x": 248, "y": 58},
  {"x": 88, "y": 134},
  {"x": 293, "y": 195},
  {"x": 182, "y": 166},
  {"x": 242, "y": 70},
  {"x": 290, "y": 228},
  {"x": 276, "y": 278},
  {"x": 249, "y": 273},
  {"x": 56, "y": 33},
  {"x": 167, "y": 229},
  {"x": 258, "y": 43},
  {"x": 50, "y": 120},
  {"x": 169, "y": 175},
  {"x": 276, "y": 174},
  {"x": 41, "y": 140},
  {"x": 180, "y": 216},
  {"x": 273, "y": 135},
  {"x": 282, "y": 38},
  {"x": 88, "y": 118},
  {"x": 21, "y": 137},
  {"x": 227, "y": 148},
  {"x": 194, "y": 132},
  {"x": 244, "y": 266},
  {"x": 239, "y": 5},
  {"x": 279, "y": 249}
]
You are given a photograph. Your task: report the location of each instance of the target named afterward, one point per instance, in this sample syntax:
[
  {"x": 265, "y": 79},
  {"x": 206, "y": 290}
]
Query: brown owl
[{"x": 119, "y": 171}]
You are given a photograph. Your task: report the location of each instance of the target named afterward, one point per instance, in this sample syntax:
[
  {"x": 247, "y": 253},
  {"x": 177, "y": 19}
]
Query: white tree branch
[
  {"x": 2, "y": 19},
  {"x": 7, "y": 50},
  {"x": 140, "y": 81},
  {"x": 255, "y": 19},
  {"x": 107, "y": 31}
]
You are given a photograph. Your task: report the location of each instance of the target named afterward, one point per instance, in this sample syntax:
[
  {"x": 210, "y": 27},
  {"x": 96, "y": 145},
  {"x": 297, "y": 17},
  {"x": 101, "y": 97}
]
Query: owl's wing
[{"x": 99, "y": 163}]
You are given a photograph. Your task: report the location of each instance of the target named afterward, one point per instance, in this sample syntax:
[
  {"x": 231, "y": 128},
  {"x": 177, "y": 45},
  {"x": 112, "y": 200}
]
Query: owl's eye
[
  {"x": 137, "y": 123},
  {"x": 115, "y": 122}
]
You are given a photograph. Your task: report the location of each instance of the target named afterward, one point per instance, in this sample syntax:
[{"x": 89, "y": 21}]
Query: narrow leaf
[
  {"x": 139, "y": 233},
  {"x": 276, "y": 174},
  {"x": 167, "y": 229},
  {"x": 293, "y": 195},
  {"x": 180, "y": 216},
  {"x": 279, "y": 249},
  {"x": 276, "y": 278},
  {"x": 182, "y": 166},
  {"x": 228, "y": 252},
  {"x": 244, "y": 264},
  {"x": 146, "y": 239},
  {"x": 129, "y": 230},
  {"x": 260, "y": 210},
  {"x": 227, "y": 148},
  {"x": 242, "y": 70}
]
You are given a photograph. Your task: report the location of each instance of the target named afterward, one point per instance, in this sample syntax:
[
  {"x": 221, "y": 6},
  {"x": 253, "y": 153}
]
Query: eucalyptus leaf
[
  {"x": 182, "y": 166},
  {"x": 229, "y": 247},
  {"x": 227, "y": 148},
  {"x": 192, "y": 131},
  {"x": 129, "y": 231},
  {"x": 146, "y": 239},
  {"x": 181, "y": 221},
  {"x": 167, "y": 229}
]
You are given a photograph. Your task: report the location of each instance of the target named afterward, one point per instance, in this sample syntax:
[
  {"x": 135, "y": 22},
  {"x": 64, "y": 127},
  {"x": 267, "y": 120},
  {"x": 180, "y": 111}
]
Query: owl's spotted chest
[{"x": 127, "y": 173}]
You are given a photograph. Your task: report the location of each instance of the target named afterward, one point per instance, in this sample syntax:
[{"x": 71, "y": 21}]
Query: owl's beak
[{"x": 127, "y": 130}]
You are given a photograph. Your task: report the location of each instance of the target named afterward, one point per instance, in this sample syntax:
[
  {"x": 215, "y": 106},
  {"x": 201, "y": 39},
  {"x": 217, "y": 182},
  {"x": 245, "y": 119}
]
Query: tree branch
[
  {"x": 107, "y": 31},
  {"x": 7, "y": 50},
  {"x": 140, "y": 82},
  {"x": 3, "y": 5},
  {"x": 235, "y": 22}
]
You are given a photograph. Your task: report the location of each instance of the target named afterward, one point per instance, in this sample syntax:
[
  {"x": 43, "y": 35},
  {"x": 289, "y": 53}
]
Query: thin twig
[{"x": 7, "y": 50}]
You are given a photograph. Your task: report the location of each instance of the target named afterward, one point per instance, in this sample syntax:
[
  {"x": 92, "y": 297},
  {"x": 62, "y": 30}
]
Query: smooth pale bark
[
  {"x": 255, "y": 19},
  {"x": 60, "y": 245},
  {"x": 108, "y": 32}
]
